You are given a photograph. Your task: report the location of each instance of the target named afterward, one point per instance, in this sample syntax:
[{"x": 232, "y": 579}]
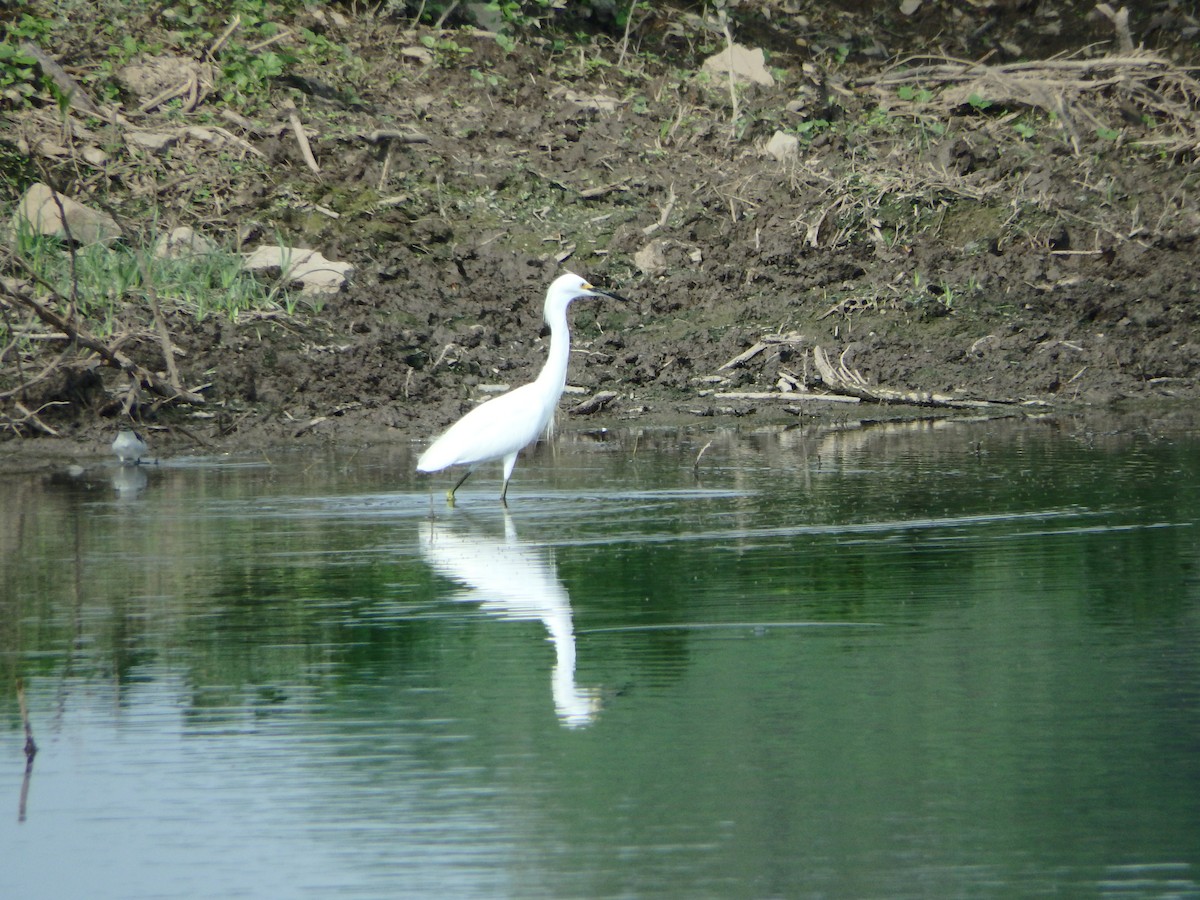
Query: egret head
[{"x": 568, "y": 287}]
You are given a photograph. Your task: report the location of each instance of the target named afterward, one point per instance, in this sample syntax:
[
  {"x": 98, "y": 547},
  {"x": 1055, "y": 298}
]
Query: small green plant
[
  {"x": 19, "y": 80},
  {"x": 320, "y": 49},
  {"x": 446, "y": 51},
  {"x": 909, "y": 93},
  {"x": 1107, "y": 134},
  {"x": 932, "y": 126},
  {"x": 1024, "y": 129},
  {"x": 488, "y": 79},
  {"x": 246, "y": 75},
  {"x": 106, "y": 285},
  {"x": 945, "y": 295},
  {"x": 812, "y": 127},
  {"x": 34, "y": 28},
  {"x": 979, "y": 103},
  {"x": 524, "y": 15}
]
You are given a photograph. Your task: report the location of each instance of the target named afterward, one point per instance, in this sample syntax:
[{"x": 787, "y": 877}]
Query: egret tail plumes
[{"x": 503, "y": 426}]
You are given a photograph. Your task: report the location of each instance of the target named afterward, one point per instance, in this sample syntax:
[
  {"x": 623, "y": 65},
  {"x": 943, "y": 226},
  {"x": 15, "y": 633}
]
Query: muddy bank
[{"x": 935, "y": 236}]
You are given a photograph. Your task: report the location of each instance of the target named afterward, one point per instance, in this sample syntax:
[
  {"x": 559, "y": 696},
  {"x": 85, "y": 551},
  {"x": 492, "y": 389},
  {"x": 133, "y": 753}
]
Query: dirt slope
[{"x": 1021, "y": 230}]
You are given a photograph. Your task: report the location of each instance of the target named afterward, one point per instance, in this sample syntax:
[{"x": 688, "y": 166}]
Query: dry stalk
[
  {"x": 667, "y": 209},
  {"x": 224, "y": 36},
  {"x": 301, "y": 137},
  {"x": 733, "y": 96},
  {"x": 1067, "y": 88},
  {"x": 625, "y": 36},
  {"x": 179, "y": 90},
  {"x": 109, "y": 356},
  {"x": 437, "y": 26},
  {"x": 273, "y": 39},
  {"x": 160, "y": 325}
]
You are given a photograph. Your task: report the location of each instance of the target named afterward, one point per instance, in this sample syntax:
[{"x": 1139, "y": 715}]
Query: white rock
[
  {"x": 154, "y": 141},
  {"x": 39, "y": 211},
  {"x": 149, "y": 76},
  {"x": 652, "y": 259},
  {"x": 314, "y": 272},
  {"x": 420, "y": 54},
  {"x": 784, "y": 147},
  {"x": 658, "y": 256},
  {"x": 745, "y": 63},
  {"x": 180, "y": 242},
  {"x": 597, "y": 102}
]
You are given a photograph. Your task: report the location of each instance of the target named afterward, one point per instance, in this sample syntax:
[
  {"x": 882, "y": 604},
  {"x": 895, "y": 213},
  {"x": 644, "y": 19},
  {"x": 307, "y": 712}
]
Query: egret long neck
[{"x": 554, "y": 372}]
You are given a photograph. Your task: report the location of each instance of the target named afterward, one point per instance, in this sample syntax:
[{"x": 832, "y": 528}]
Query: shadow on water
[{"x": 516, "y": 581}]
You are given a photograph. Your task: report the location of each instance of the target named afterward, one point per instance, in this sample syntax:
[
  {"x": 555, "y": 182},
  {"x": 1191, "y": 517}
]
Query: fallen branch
[
  {"x": 767, "y": 340},
  {"x": 1061, "y": 87},
  {"x": 1120, "y": 22},
  {"x": 842, "y": 378},
  {"x": 302, "y": 138},
  {"x": 786, "y": 395},
  {"x": 593, "y": 404},
  {"x": 112, "y": 358},
  {"x": 32, "y": 416},
  {"x": 599, "y": 191},
  {"x": 380, "y": 135},
  {"x": 667, "y": 208},
  {"x": 64, "y": 82},
  {"x": 46, "y": 372}
]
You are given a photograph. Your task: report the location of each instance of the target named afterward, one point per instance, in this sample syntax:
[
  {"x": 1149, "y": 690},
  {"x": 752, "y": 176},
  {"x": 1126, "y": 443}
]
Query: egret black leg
[{"x": 450, "y": 493}]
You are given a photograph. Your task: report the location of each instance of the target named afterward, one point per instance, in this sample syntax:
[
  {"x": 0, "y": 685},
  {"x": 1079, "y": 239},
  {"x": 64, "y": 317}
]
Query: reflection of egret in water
[{"x": 516, "y": 581}]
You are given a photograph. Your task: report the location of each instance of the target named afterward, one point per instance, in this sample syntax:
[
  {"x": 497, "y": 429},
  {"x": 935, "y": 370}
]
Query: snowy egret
[
  {"x": 505, "y": 425},
  {"x": 129, "y": 447}
]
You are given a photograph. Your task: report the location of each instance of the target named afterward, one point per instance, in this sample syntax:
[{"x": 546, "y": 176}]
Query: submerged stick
[
  {"x": 30, "y": 743},
  {"x": 30, "y": 751}
]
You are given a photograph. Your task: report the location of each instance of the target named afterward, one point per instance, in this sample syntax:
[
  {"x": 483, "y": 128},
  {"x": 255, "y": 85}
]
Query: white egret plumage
[
  {"x": 504, "y": 426},
  {"x": 129, "y": 447}
]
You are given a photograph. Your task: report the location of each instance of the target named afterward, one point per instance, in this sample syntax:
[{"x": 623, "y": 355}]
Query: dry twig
[
  {"x": 302, "y": 138},
  {"x": 667, "y": 209},
  {"x": 1066, "y": 88},
  {"x": 841, "y": 377},
  {"x": 109, "y": 356}
]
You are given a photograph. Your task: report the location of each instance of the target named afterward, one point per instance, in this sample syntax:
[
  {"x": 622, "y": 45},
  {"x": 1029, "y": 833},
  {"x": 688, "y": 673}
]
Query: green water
[{"x": 903, "y": 661}]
